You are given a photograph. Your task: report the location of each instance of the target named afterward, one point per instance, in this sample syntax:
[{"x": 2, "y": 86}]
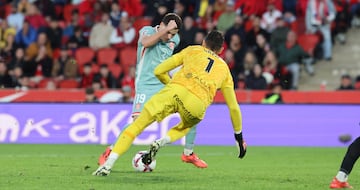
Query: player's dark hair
[
  {"x": 172, "y": 16},
  {"x": 214, "y": 40}
]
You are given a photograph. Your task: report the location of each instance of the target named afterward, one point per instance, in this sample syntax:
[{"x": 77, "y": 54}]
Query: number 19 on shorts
[{"x": 140, "y": 98}]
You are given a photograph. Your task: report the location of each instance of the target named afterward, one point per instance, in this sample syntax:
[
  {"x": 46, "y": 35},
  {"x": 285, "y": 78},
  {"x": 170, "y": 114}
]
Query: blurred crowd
[{"x": 268, "y": 42}]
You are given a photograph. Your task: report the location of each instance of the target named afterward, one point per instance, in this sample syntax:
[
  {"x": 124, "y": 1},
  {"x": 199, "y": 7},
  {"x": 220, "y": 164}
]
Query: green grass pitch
[{"x": 64, "y": 167}]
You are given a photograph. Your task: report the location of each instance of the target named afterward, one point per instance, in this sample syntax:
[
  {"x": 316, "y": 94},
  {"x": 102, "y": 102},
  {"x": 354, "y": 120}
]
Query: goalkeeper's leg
[
  {"x": 188, "y": 155},
  {"x": 124, "y": 141},
  {"x": 104, "y": 156}
]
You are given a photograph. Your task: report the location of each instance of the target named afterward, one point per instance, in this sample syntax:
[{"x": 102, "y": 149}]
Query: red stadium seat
[
  {"x": 106, "y": 56},
  {"x": 84, "y": 55},
  {"x": 44, "y": 82},
  {"x": 68, "y": 83},
  {"x": 115, "y": 69},
  {"x": 357, "y": 85},
  {"x": 127, "y": 57},
  {"x": 308, "y": 42}
]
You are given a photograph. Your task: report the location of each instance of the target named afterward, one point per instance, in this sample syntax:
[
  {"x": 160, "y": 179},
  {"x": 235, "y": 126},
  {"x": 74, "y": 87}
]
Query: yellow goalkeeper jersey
[{"x": 202, "y": 72}]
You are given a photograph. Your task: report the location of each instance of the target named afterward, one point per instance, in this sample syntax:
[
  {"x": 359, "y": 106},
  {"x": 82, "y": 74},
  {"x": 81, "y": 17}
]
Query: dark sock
[{"x": 352, "y": 154}]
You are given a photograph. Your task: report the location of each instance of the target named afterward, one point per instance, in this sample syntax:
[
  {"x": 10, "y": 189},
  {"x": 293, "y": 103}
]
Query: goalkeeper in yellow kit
[{"x": 189, "y": 92}]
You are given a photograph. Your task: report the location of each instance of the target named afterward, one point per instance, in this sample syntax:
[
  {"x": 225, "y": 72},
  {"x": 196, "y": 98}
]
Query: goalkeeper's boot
[
  {"x": 102, "y": 171},
  {"x": 336, "y": 184},
  {"x": 149, "y": 157},
  {"x": 104, "y": 156},
  {"x": 194, "y": 159}
]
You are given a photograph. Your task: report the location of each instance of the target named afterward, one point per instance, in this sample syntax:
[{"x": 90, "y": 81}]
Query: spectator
[
  {"x": 100, "y": 32},
  {"x": 261, "y": 47},
  {"x": 256, "y": 29},
  {"x": 65, "y": 66},
  {"x": 319, "y": 15},
  {"x": 26, "y": 35},
  {"x": 116, "y": 14},
  {"x": 15, "y": 75},
  {"x": 151, "y": 7},
  {"x": 341, "y": 21},
  {"x": 129, "y": 78},
  {"x": 227, "y": 18},
  {"x": 15, "y": 19},
  {"x": 162, "y": 10},
  {"x": 290, "y": 55},
  {"x": 274, "y": 97},
  {"x": 127, "y": 94},
  {"x": 40, "y": 66},
  {"x": 5, "y": 30},
  {"x": 289, "y": 18},
  {"x": 279, "y": 73},
  {"x": 237, "y": 28},
  {"x": 5, "y": 79},
  {"x": 199, "y": 37},
  {"x": 53, "y": 33},
  {"x": 187, "y": 33},
  {"x": 78, "y": 39},
  {"x": 46, "y": 7},
  {"x": 123, "y": 35},
  {"x": 279, "y": 34},
  {"x": 87, "y": 76},
  {"x": 268, "y": 21},
  {"x": 249, "y": 62},
  {"x": 90, "y": 96},
  {"x": 33, "y": 49},
  {"x": 255, "y": 80},
  {"x": 8, "y": 51},
  {"x": 289, "y": 6},
  {"x": 34, "y": 17},
  {"x": 23, "y": 83},
  {"x": 73, "y": 23},
  {"x": 181, "y": 9},
  {"x": 238, "y": 49},
  {"x": 23, "y": 6},
  {"x": 18, "y": 59},
  {"x": 105, "y": 78},
  {"x": 355, "y": 13},
  {"x": 346, "y": 83}
]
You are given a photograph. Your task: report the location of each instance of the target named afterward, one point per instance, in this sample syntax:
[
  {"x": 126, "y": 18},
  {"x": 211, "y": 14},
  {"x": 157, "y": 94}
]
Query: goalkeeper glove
[{"x": 241, "y": 144}]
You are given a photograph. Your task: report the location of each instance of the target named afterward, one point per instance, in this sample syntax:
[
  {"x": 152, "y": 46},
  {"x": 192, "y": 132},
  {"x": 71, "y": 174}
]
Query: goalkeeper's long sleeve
[
  {"x": 234, "y": 108},
  {"x": 161, "y": 71}
]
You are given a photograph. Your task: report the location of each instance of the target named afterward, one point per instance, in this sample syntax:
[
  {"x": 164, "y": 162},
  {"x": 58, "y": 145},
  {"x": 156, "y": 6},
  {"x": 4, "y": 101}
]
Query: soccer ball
[{"x": 139, "y": 166}]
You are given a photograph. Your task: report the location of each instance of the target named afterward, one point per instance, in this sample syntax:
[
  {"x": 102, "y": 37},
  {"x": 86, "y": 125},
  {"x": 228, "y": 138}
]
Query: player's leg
[
  {"x": 105, "y": 155},
  {"x": 124, "y": 141},
  {"x": 138, "y": 105},
  {"x": 188, "y": 155},
  {"x": 191, "y": 111},
  {"x": 351, "y": 156},
  {"x": 158, "y": 107}
]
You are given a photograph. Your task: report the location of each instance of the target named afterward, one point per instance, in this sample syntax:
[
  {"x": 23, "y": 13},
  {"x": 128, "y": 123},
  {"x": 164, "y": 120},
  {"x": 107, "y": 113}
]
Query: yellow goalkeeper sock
[
  {"x": 177, "y": 132},
  {"x": 124, "y": 142}
]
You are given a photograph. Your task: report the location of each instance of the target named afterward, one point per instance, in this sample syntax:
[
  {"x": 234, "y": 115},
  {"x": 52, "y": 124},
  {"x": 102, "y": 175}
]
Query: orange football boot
[
  {"x": 194, "y": 159},
  {"x": 104, "y": 156},
  {"x": 336, "y": 184}
]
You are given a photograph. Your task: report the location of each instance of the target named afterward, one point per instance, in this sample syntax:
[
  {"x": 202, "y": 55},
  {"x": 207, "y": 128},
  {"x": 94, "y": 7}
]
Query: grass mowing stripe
[{"x": 63, "y": 167}]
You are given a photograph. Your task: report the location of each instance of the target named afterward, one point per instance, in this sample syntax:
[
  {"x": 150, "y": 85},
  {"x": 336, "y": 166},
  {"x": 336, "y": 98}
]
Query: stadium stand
[{"x": 84, "y": 14}]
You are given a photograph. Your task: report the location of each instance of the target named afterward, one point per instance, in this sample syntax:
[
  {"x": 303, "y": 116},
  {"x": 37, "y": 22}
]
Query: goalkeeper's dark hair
[
  {"x": 214, "y": 40},
  {"x": 172, "y": 16}
]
